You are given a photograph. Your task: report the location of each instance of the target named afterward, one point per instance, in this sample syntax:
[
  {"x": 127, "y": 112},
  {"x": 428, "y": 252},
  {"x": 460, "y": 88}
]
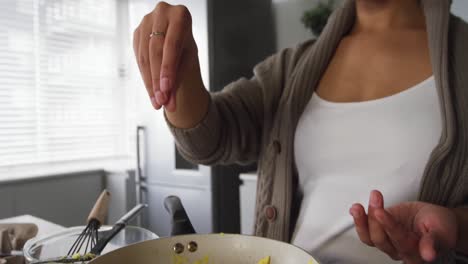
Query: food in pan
[
  {"x": 265, "y": 260},
  {"x": 204, "y": 260},
  {"x": 85, "y": 257}
]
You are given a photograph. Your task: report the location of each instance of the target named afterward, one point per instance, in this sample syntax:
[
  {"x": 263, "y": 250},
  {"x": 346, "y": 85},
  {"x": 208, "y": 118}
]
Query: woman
[{"x": 377, "y": 102}]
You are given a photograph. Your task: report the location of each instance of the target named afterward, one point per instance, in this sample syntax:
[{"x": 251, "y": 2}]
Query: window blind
[{"x": 60, "y": 92}]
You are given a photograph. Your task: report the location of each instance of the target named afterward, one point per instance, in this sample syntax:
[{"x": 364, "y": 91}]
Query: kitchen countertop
[{"x": 45, "y": 227}]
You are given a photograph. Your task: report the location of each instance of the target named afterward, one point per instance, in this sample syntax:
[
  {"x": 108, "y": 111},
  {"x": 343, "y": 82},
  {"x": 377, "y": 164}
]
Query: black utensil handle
[
  {"x": 121, "y": 224},
  {"x": 102, "y": 243},
  {"x": 131, "y": 214},
  {"x": 181, "y": 224}
]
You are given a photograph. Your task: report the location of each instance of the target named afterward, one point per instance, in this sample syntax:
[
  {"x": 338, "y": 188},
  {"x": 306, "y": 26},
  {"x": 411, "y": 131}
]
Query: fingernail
[
  {"x": 165, "y": 84},
  {"x": 162, "y": 98},
  {"x": 354, "y": 213},
  {"x": 373, "y": 201},
  {"x": 154, "y": 103}
]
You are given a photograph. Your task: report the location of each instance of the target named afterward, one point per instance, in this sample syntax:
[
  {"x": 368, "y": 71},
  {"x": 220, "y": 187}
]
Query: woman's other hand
[
  {"x": 414, "y": 232},
  {"x": 167, "y": 56}
]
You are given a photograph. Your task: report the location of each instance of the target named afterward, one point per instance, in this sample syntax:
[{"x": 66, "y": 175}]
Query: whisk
[{"x": 89, "y": 237}]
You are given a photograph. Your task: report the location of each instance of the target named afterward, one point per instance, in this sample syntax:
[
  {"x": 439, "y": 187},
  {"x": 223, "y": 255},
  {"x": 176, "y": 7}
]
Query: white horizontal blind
[{"x": 60, "y": 92}]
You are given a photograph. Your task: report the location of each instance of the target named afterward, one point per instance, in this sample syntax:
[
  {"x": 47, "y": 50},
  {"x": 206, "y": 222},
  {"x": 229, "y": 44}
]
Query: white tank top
[{"x": 345, "y": 150}]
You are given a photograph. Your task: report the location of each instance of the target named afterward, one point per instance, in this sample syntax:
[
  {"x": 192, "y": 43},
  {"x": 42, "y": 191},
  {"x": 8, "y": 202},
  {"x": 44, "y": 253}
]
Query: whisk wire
[
  {"x": 77, "y": 242},
  {"x": 86, "y": 240}
]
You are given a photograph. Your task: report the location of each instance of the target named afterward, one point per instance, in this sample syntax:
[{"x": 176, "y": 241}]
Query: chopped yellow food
[
  {"x": 176, "y": 259},
  {"x": 85, "y": 257},
  {"x": 179, "y": 260},
  {"x": 265, "y": 260},
  {"x": 204, "y": 260},
  {"x": 89, "y": 256}
]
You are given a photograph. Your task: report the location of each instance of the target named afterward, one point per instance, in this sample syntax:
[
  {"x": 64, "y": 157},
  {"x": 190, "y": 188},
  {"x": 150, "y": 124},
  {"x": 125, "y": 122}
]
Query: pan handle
[{"x": 180, "y": 221}]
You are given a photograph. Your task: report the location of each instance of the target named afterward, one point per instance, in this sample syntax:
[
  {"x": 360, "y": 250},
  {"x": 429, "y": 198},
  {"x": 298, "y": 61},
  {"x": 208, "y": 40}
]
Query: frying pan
[{"x": 204, "y": 249}]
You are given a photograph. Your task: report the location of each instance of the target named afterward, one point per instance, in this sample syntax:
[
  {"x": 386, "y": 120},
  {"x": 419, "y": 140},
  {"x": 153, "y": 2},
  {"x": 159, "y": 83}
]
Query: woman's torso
[
  {"x": 386, "y": 144},
  {"x": 345, "y": 150}
]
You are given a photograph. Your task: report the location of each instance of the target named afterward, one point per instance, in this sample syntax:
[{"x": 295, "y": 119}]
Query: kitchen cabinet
[
  {"x": 62, "y": 199},
  {"x": 6, "y": 203}
]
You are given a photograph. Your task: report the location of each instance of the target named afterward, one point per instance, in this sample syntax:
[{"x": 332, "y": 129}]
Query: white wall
[
  {"x": 289, "y": 28},
  {"x": 460, "y": 8}
]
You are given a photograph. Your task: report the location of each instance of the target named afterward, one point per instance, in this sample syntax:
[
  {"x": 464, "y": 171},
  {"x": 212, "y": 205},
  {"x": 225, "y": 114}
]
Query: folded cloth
[{"x": 13, "y": 237}]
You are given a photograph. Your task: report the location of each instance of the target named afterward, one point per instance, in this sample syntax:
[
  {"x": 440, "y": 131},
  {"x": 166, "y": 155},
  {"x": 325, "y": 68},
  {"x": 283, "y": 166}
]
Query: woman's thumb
[{"x": 428, "y": 247}]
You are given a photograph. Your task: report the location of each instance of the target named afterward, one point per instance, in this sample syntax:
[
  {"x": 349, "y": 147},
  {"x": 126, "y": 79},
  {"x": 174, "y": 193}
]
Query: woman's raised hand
[
  {"x": 167, "y": 55},
  {"x": 414, "y": 232}
]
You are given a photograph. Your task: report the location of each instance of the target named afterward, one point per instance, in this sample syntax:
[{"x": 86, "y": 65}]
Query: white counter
[{"x": 45, "y": 227}]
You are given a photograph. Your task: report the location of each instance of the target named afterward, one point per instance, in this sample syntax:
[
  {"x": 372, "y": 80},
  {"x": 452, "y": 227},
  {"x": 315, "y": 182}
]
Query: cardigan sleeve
[{"x": 231, "y": 131}]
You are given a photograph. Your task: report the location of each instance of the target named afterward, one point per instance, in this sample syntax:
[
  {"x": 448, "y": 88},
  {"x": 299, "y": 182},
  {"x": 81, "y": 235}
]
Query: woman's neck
[{"x": 385, "y": 15}]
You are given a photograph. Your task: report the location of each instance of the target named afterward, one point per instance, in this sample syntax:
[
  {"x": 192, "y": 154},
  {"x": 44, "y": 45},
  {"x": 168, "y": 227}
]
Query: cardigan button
[
  {"x": 270, "y": 213},
  {"x": 277, "y": 146}
]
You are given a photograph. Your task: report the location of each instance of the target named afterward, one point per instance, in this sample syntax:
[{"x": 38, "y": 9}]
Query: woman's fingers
[
  {"x": 177, "y": 32},
  {"x": 174, "y": 45},
  {"x": 405, "y": 242},
  {"x": 156, "y": 49},
  {"x": 360, "y": 222},
  {"x": 171, "y": 105},
  {"x": 427, "y": 247},
  {"x": 377, "y": 234},
  {"x": 159, "y": 44},
  {"x": 143, "y": 57}
]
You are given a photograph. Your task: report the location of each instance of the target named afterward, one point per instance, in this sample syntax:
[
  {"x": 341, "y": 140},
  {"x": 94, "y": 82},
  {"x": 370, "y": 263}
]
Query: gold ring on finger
[{"x": 157, "y": 33}]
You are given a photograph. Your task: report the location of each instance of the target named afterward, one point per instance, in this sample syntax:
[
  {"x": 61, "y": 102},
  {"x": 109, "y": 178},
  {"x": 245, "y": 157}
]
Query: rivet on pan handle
[
  {"x": 192, "y": 246},
  {"x": 178, "y": 248}
]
